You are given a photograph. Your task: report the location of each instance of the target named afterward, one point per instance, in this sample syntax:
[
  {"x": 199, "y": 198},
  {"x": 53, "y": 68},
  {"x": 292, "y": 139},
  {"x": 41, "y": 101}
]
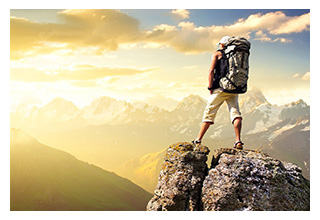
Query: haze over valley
[{"x": 128, "y": 137}]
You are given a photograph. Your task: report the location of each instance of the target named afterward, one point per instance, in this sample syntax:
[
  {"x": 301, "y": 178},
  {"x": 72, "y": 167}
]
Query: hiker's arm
[{"x": 211, "y": 70}]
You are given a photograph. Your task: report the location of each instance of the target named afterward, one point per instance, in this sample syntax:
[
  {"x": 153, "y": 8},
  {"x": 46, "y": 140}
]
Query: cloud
[
  {"x": 306, "y": 76},
  {"x": 72, "y": 72},
  {"x": 181, "y": 13},
  {"x": 268, "y": 39},
  {"x": 185, "y": 37},
  {"x": 296, "y": 75},
  {"x": 263, "y": 37},
  {"x": 106, "y": 30},
  {"x": 188, "y": 38},
  {"x": 293, "y": 25},
  {"x": 275, "y": 23}
]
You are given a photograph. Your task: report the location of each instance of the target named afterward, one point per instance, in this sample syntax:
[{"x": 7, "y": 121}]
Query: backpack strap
[
  {"x": 224, "y": 56},
  {"x": 237, "y": 87}
]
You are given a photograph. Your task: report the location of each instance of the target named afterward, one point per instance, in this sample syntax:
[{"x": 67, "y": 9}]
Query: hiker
[{"x": 218, "y": 94}]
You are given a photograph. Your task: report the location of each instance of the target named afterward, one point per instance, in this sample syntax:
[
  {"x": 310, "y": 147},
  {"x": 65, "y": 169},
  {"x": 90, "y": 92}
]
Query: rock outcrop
[
  {"x": 180, "y": 179},
  {"x": 236, "y": 180}
]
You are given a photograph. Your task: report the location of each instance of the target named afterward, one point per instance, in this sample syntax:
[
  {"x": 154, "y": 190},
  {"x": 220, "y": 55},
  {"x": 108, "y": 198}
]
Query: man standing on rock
[{"x": 218, "y": 96}]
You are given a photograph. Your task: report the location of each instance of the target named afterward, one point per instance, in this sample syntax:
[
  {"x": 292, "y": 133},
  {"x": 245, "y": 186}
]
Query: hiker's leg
[
  {"x": 235, "y": 115},
  {"x": 237, "y": 123},
  {"x": 214, "y": 102},
  {"x": 203, "y": 129}
]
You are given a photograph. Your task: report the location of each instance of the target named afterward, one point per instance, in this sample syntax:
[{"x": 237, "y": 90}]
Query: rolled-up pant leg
[
  {"x": 214, "y": 102},
  {"x": 233, "y": 106}
]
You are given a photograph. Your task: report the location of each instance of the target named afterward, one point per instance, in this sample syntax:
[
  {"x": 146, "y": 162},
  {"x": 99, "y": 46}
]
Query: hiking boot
[
  {"x": 196, "y": 142},
  {"x": 238, "y": 145}
]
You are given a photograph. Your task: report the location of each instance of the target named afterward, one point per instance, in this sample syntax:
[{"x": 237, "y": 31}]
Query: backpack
[{"x": 236, "y": 56}]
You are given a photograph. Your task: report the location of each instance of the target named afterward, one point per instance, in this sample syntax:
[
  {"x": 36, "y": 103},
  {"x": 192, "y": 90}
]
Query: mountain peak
[
  {"x": 193, "y": 97},
  {"x": 191, "y": 105},
  {"x": 60, "y": 109},
  {"x": 59, "y": 100},
  {"x": 256, "y": 94},
  {"x": 106, "y": 110},
  {"x": 104, "y": 100},
  {"x": 299, "y": 104},
  {"x": 191, "y": 100},
  {"x": 251, "y": 100},
  {"x": 60, "y": 103}
]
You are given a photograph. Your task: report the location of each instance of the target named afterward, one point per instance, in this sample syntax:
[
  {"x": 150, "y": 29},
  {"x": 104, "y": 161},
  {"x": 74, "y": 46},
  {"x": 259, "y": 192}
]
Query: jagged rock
[
  {"x": 237, "y": 180},
  {"x": 249, "y": 180},
  {"x": 180, "y": 179}
]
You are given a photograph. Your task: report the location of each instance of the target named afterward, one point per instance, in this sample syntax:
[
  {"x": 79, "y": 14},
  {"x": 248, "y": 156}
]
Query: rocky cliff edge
[{"x": 237, "y": 180}]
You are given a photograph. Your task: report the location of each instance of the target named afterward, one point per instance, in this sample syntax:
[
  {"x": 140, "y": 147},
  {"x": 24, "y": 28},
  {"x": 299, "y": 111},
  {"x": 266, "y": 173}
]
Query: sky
[
  {"x": 152, "y": 55},
  {"x": 156, "y": 55}
]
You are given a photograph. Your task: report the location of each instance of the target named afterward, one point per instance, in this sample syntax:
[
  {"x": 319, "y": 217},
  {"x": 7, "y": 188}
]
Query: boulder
[{"x": 249, "y": 180}]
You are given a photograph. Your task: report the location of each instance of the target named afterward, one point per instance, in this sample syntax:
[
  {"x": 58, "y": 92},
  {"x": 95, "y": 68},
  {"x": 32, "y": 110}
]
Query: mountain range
[
  {"x": 46, "y": 179},
  {"x": 129, "y": 138}
]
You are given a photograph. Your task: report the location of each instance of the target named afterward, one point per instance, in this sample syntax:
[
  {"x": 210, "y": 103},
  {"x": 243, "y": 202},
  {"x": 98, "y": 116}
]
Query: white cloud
[
  {"x": 306, "y": 76},
  {"x": 293, "y": 25},
  {"x": 269, "y": 39},
  {"x": 181, "y": 13},
  {"x": 260, "y": 33},
  {"x": 283, "y": 40},
  {"x": 296, "y": 75}
]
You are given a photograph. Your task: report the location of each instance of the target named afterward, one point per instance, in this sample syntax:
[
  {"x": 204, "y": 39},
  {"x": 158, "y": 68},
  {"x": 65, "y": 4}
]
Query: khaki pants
[{"x": 216, "y": 100}]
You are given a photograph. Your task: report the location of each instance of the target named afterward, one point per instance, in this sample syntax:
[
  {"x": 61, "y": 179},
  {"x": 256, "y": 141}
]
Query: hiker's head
[{"x": 223, "y": 41}]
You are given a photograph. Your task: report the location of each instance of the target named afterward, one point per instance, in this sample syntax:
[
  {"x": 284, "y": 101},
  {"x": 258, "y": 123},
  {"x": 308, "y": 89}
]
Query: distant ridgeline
[
  {"x": 46, "y": 179},
  {"x": 237, "y": 180}
]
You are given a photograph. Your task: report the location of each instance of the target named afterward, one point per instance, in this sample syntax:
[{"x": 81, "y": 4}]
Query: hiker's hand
[{"x": 211, "y": 91}]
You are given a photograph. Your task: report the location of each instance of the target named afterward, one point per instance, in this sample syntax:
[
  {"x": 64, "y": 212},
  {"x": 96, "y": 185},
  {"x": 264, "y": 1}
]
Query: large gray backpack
[{"x": 237, "y": 59}]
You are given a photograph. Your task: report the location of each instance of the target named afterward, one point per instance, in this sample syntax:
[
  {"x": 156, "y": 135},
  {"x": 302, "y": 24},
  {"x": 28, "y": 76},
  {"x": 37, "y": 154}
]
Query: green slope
[{"x": 44, "y": 178}]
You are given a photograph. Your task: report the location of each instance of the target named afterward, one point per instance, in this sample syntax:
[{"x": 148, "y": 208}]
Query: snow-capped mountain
[
  {"x": 191, "y": 105},
  {"x": 31, "y": 116},
  {"x": 57, "y": 111},
  {"x": 105, "y": 110},
  {"x": 266, "y": 115},
  {"x": 295, "y": 110},
  {"x": 259, "y": 115},
  {"x": 187, "y": 116},
  {"x": 60, "y": 109},
  {"x": 251, "y": 100}
]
